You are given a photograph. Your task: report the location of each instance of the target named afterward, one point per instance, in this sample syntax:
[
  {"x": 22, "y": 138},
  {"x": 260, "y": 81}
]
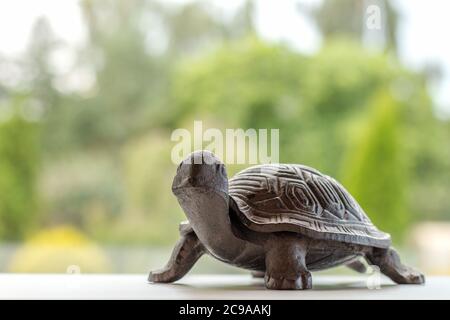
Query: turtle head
[
  {"x": 201, "y": 170},
  {"x": 201, "y": 188}
]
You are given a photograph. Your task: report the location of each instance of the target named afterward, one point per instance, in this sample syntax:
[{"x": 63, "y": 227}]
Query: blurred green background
[{"x": 85, "y": 173}]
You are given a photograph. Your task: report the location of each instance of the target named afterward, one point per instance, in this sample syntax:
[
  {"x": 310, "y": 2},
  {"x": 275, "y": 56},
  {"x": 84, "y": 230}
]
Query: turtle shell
[{"x": 296, "y": 198}]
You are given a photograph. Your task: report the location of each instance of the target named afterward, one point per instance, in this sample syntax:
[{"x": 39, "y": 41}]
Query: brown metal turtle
[{"x": 280, "y": 221}]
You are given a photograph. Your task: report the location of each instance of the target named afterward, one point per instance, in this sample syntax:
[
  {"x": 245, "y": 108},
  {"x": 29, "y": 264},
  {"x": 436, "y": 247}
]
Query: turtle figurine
[{"x": 280, "y": 221}]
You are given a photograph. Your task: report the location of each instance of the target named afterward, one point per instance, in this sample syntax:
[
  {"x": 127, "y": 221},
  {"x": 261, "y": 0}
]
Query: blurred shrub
[
  {"x": 248, "y": 84},
  {"x": 81, "y": 189},
  {"x": 316, "y": 102},
  {"x": 374, "y": 170},
  {"x": 150, "y": 213},
  {"x": 269, "y": 86},
  {"x": 55, "y": 250},
  {"x": 19, "y": 161},
  {"x": 113, "y": 179},
  {"x": 106, "y": 162}
]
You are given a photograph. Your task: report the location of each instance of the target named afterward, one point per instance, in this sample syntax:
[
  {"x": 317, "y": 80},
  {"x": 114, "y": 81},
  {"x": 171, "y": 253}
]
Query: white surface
[{"x": 25, "y": 286}]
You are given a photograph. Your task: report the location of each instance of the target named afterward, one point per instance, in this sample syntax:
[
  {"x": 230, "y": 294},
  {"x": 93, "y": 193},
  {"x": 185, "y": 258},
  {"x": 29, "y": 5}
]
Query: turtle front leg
[
  {"x": 186, "y": 252},
  {"x": 389, "y": 263},
  {"x": 285, "y": 263}
]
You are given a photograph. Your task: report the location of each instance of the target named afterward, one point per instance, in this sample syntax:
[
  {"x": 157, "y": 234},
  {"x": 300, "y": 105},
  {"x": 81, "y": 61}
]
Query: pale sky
[{"x": 422, "y": 35}]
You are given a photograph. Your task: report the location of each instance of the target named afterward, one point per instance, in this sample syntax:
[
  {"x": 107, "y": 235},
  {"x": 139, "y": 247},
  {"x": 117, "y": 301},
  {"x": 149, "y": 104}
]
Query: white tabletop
[{"x": 114, "y": 286}]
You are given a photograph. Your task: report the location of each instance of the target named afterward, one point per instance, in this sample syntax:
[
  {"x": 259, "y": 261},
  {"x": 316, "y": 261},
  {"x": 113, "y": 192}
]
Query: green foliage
[
  {"x": 131, "y": 69},
  {"x": 106, "y": 150},
  {"x": 316, "y": 101},
  {"x": 151, "y": 213},
  {"x": 129, "y": 82},
  {"x": 338, "y": 83},
  {"x": 81, "y": 189},
  {"x": 250, "y": 77},
  {"x": 431, "y": 171},
  {"x": 19, "y": 161},
  {"x": 268, "y": 86},
  {"x": 374, "y": 169}
]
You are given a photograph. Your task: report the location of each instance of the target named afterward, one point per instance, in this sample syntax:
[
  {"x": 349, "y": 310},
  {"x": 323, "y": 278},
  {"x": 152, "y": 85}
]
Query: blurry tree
[
  {"x": 19, "y": 161},
  {"x": 429, "y": 194},
  {"x": 315, "y": 101},
  {"x": 39, "y": 74},
  {"x": 126, "y": 102},
  {"x": 128, "y": 80},
  {"x": 309, "y": 98},
  {"x": 3, "y": 65},
  {"x": 132, "y": 77},
  {"x": 248, "y": 76},
  {"x": 202, "y": 30},
  {"x": 156, "y": 66},
  {"x": 151, "y": 212},
  {"x": 348, "y": 18},
  {"x": 81, "y": 189},
  {"x": 339, "y": 81},
  {"x": 374, "y": 169},
  {"x": 243, "y": 23},
  {"x": 196, "y": 26}
]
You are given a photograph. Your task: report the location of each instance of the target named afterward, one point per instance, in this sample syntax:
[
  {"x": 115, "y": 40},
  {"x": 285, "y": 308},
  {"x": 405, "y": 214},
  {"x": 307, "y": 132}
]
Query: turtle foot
[
  {"x": 304, "y": 281},
  {"x": 388, "y": 260},
  {"x": 410, "y": 276},
  {"x": 162, "y": 276},
  {"x": 184, "y": 255}
]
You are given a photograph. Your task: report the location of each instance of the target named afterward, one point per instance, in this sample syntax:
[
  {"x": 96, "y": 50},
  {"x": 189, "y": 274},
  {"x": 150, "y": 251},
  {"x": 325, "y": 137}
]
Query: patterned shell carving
[{"x": 300, "y": 199}]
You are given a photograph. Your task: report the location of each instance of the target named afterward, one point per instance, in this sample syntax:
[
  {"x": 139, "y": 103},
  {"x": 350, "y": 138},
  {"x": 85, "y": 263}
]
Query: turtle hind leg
[
  {"x": 357, "y": 265},
  {"x": 285, "y": 263},
  {"x": 184, "y": 255},
  {"x": 389, "y": 263}
]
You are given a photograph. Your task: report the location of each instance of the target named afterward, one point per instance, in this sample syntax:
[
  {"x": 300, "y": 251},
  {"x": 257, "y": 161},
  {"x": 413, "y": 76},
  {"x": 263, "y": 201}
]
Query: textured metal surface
[
  {"x": 327, "y": 226},
  {"x": 301, "y": 199}
]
